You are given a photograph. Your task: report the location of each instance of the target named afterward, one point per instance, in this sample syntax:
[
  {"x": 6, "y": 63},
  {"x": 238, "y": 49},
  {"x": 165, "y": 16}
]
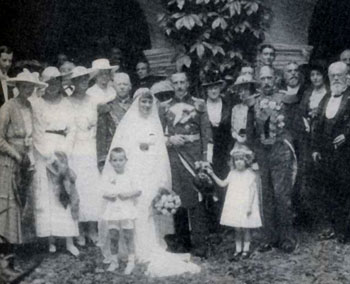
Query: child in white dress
[
  {"x": 241, "y": 206},
  {"x": 120, "y": 211}
]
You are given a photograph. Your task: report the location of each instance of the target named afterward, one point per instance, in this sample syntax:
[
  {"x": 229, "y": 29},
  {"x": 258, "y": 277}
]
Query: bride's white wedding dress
[{"x": 143, "y": 140}]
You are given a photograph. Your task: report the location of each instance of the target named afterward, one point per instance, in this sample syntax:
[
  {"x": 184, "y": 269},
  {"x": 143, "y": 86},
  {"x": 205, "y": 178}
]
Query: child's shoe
[
  {"x": 246, "y": 255},
  {"x": 130, "y": 266},
  {"x": 52, "y": 248},
  {"x": 81, "y": 241},
  {"x": 114, "y": 263},
  {"x": 113, "y": 266}
]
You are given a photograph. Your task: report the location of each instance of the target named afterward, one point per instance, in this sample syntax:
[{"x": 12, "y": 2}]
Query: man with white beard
[{"x": 331, "y": 152}]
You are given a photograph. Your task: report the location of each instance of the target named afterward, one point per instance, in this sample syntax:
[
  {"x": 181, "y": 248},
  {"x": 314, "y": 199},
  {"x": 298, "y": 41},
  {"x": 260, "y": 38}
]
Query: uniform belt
[
  {"x": 191, "y": 137},
  {"x": 58, "y": 132}
]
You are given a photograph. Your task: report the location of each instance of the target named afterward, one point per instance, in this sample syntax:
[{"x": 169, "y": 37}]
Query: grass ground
[{"x": 326, "y": 262}]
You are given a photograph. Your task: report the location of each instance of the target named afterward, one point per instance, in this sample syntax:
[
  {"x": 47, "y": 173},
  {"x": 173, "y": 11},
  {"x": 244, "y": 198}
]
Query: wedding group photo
[{"x": 175, "y": 141}]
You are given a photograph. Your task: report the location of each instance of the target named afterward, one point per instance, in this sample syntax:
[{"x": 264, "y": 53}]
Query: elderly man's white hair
[
  {"x": 120, "y": 76},
  {"x": 338, "y": 65}
]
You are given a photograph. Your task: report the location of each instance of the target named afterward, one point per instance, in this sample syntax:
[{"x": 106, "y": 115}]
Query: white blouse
[{"x": 214, "y": 112}]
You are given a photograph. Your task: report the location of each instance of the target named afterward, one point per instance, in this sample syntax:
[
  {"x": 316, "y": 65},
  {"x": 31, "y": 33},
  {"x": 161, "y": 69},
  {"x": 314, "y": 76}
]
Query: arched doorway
[{"x": 82, "y": 29}]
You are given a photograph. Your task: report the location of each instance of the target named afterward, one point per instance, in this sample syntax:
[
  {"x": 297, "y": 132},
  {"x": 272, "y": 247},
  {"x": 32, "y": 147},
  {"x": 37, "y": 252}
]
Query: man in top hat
[
  {"x": 269, "y": 133},
  {"x": 186, "y": 124},
  {"x": 6, "y": 57},
  {"x": 110, "y": 114},
  {"x": 102, "y": 92},
  {"x": 331, "y": 152}
]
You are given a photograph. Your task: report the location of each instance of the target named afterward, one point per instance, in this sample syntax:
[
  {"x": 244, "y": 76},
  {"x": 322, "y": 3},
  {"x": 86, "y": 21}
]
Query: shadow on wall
[
  {"x": 81, "y": 29},
  {"x": 329, "y": 30}
]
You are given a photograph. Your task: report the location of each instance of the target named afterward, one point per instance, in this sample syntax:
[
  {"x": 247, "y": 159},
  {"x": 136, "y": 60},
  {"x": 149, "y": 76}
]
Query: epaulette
[{"x": 199, "y": 104}]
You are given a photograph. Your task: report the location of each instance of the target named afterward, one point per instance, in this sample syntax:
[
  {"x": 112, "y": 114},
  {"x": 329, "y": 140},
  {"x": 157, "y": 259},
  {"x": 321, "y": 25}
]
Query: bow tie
[{"x": 337, "y": 95}]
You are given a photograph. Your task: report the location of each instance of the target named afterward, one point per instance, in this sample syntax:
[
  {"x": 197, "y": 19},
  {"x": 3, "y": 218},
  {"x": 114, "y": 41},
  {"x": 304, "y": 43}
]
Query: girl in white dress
[
  {"x": 84, "y": 158},
  {"x": 241, "y": 206},
  {"x": 140, "y": 134},
  {"x": 120, "y": 211}
]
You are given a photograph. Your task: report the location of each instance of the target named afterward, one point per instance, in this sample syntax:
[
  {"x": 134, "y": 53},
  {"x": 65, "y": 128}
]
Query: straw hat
[
  {"x": 245, "y": 79},
  {"x": 103, "y": 64},
  {"x": 27, "y": 77},
  {"x": 51, "y": 72},
  {"x": 81, "y": 71}
]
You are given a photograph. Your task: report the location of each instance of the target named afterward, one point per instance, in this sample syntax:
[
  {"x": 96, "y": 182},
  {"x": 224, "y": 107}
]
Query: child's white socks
[{"x": 131, "y": 264}]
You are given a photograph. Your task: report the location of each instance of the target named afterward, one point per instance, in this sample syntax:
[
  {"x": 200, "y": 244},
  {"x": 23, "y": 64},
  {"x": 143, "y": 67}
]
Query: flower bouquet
[{"x": 166, "y": 203}]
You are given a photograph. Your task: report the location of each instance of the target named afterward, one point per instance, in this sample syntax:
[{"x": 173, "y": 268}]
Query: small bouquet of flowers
[
  {"x": 202, "y": 180},
  {"x": 166, "y": 203}
]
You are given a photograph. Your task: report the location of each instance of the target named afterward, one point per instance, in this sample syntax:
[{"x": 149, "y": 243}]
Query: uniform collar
[{"x": 185, "y": 98}]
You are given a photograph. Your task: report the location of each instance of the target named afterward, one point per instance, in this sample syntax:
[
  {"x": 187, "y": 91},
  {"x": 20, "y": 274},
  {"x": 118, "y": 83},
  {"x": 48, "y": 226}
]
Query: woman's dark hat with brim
[{"x": 213, "y": 83}]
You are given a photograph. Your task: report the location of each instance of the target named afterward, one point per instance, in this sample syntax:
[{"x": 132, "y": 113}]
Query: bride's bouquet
[{"x": 166, "y": 203}]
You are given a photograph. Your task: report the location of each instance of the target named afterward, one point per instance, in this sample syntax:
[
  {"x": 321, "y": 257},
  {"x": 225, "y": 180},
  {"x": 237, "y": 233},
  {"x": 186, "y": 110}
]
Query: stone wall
[{"x": 288, "y": 32}]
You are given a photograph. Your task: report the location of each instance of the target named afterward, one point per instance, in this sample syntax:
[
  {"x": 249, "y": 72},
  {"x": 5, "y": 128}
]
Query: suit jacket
[
  {"x": 322, "y": 142},
  {"x": 109, "y": 117},
  {"x": 2, "y": 95}
]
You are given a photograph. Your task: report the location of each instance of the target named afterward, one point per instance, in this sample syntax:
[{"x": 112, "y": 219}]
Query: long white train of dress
[{"x": 151, "y": 171}]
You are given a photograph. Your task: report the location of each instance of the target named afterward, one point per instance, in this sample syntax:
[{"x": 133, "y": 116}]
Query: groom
[{"x": 189, "y": 139}]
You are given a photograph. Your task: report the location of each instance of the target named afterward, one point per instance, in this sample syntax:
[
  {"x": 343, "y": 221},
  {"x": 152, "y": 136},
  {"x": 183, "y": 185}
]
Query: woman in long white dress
[
  {"x": 84, "y": 159},
  {"x": 141, "y": 135},
  {"x": 54, "y": 131}
]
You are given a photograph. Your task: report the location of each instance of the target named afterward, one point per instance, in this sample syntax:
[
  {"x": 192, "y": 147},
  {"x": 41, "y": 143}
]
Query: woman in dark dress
[
  {"x": 309, "y": 194},
  {"x": 219, "y": 113}
]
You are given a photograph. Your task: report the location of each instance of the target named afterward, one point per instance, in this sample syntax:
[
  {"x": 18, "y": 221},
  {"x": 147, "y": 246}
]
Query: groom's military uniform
[{"x": 188, "y": 117}]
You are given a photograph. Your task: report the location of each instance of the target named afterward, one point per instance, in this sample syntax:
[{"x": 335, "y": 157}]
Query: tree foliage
[{"x": 215, "y": 34}]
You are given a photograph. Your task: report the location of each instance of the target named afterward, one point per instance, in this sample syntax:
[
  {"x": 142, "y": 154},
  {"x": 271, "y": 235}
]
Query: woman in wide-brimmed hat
[
  {"x": 308, "y": 193},
  {"x": 54, "y": 132},
  {"x": 219, "y": 113},
  {"x": 245, "y": 86},
  {"x": 102, "y": 91},
  {"x": 16, "y": 160},
  {"x": 84, "y": 158}
]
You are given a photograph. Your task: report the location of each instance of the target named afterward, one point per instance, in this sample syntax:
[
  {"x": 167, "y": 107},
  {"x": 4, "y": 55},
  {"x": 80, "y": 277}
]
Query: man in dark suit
[
  {"x": 331, "y": 151},
  {"x": 6, "y": 57},
  {"x": 110, "y": 115}
]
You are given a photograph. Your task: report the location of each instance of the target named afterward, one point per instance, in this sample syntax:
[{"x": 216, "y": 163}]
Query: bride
[{"x": 141, "y": 135}]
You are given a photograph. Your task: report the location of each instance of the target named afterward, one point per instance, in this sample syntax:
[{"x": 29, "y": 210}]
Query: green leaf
[
  {"x": 199, "y": 48},
  {"x": 216, "y": 23},
  {"x": 251, "y": 7},
  {"x": 188, "y": 22},
  {"x": 184, "y": 60},
  {"x": 220, "y": 21},
  {"x": 180, "y": 4},
  {"x": 238, "y": 7},
  {"x": 197, "y": 20},
  {"x": 179, "y": 23}
]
